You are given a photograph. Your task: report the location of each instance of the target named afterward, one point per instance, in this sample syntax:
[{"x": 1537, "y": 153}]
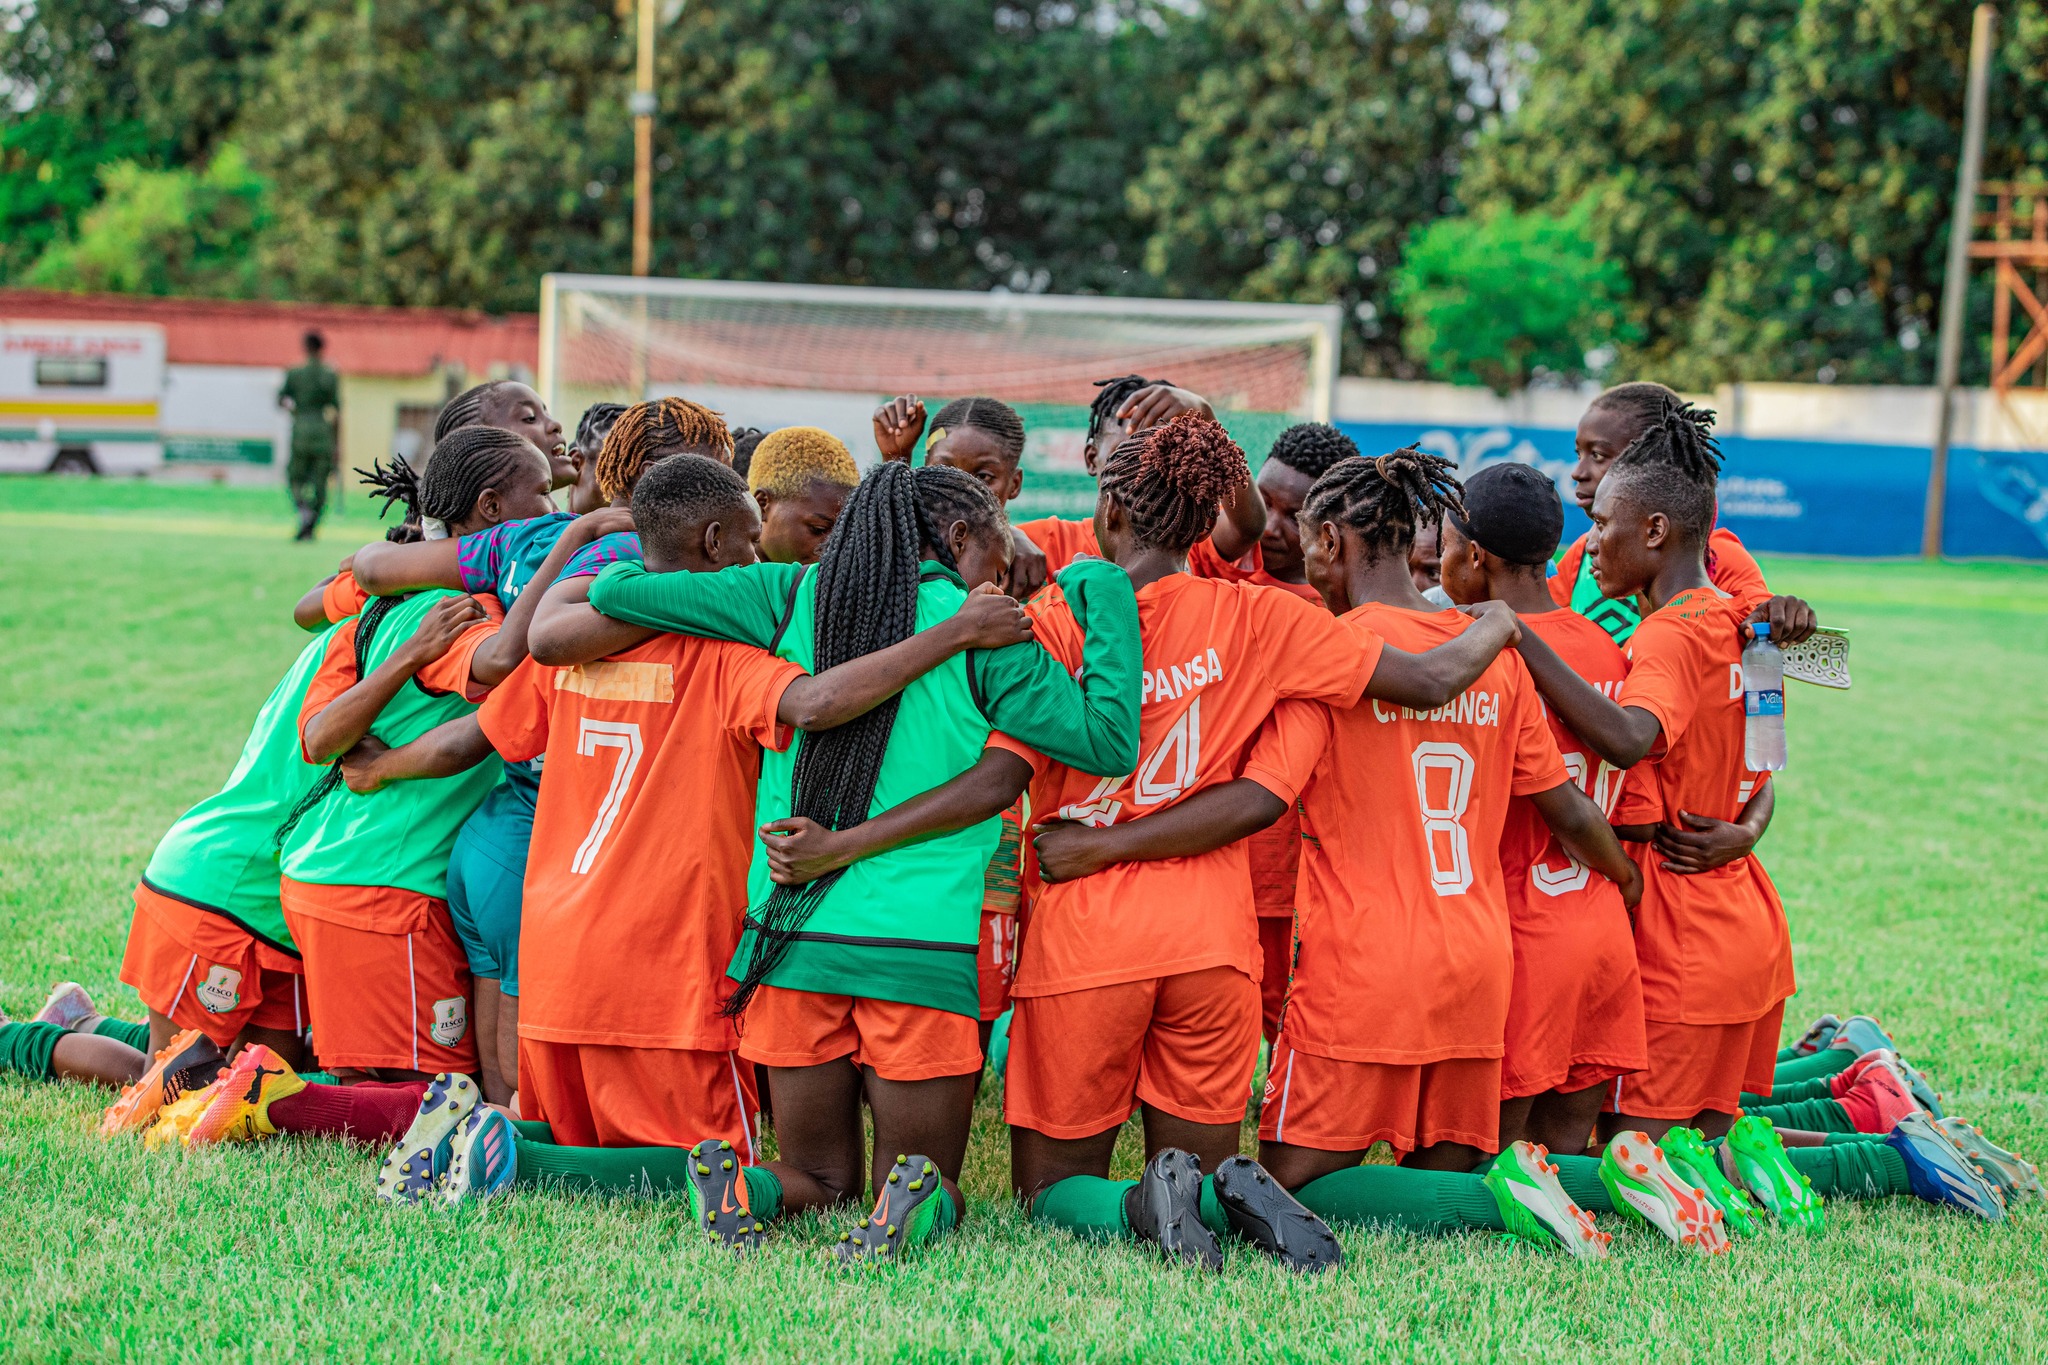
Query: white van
[{"x": 81, "y": 397}]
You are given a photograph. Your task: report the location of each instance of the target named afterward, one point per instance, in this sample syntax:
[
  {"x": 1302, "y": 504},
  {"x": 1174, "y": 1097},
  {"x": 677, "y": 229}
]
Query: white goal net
[{"x": 769, "y": 355}]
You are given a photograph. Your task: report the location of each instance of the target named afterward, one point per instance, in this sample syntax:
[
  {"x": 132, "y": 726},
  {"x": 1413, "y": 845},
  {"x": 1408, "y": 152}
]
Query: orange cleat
[
  {"x": 188, "y": 1062},
  {"x": 239, "y": 1108}
]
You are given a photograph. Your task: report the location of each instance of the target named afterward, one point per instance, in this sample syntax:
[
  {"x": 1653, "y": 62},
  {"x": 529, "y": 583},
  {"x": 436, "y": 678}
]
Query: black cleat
[
  {"x": 1166, "y": 1209},
  {"x": 1263, "y": 1213},
  {"x": 905, "y": 1213},
  {"x": 718, "y": 1197}
]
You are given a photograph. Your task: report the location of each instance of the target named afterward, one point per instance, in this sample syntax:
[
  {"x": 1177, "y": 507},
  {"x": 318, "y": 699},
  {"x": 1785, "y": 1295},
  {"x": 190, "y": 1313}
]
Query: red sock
[{"x": 371, "y": 1112}]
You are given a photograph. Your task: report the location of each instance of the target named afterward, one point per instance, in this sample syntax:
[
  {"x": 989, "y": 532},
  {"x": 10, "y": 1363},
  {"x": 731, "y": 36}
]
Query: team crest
[
  {"x": 221, "y": 991},
  {"x": 451, "y": 1021}
]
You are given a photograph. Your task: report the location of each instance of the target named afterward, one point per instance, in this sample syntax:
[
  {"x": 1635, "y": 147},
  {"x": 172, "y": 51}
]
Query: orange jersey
[
  {"x": 1714, "y": 946},
  {"x": 449, "y": 673},
  {"x": 1061, "y": 540},
  {"x": 1218, "y": 656},
  {"x": 1403, "y": 951},
  {"x": 1730, "y": 567},
  {"x": 1204, "y": 562},
  {"x": 343, "y": 597},
  {"x": 636, "y": 879}
]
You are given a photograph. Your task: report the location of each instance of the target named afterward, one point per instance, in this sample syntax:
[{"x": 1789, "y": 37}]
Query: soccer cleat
[
  {"x": 240, "y": 1108},
  {"x": 718, "y": 1197},
  {"x": 1879, "y": 1097},
  {"x": 1758, "y": 1157},
  {"x": 67, "y": 1007},
  {"x": 1642, "y": 1183},
  {"x": 1924, "y": 1093},
  {"x": 1940, "y": 1171},
  {"x": 1921, "y": 1089},
  {"x": 1861, "y": 1033},
  {"x": 483, "y": 1160},
  {"x": 421, "y": 1156},
  {"x": 1536, "y": 1208},
  {"x": 190, "y": 1061},
  {"x": 1166, "y": 1210},
  {"x": 906, "y": 1213},
  {"x": 1261, "y": 1211},
  {"x": 2016, "y": 1178},
  {"x": 1687, "y": 1151},
  {"x": 174, "y": 1120},
  {"x": 1818, "y": 1035}
]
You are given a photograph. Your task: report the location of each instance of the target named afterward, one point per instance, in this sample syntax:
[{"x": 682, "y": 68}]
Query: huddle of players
[{"x": 807, "y": 770}]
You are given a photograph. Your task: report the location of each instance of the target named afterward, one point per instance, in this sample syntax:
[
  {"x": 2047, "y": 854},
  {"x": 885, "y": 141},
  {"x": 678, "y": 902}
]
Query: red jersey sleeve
[
  {"x": 1539, "y": 765},
  {"x": 1560, "y": 583},
  {"x": 1733, "y": 569},
  {"x": 450, "y": 672},
  {"x": 1290, "y": 745},
  {"x": 343, "y": 597},
  {"x": 1309, "y": 653},
  {"x": 750, "y": 687},
  {"x": 336, "y": 675},
  {"x": 515, "y": 716},
  {"x": 1665, "y": 674}
]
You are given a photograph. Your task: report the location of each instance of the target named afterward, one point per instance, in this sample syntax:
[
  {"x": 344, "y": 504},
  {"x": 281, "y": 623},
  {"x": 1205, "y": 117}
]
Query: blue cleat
[
  {"x": 416, "y": 1163},
  {"x": 1818, "y": 1035},
  {"x": 1860, "y": 1033},
  {"x": 2016, "y": 1178},
  {"x": 483, "y": 1160},
  {"x": 1940, "y": 1172}
]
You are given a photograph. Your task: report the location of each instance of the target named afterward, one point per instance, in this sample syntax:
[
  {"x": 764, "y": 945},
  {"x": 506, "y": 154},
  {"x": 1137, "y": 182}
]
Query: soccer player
[
  {"x": 1575, "y": 1010},
  {"x": 800, "y": 476},
  {"x": 591, "y": 429},
  {"x": 875, "y": 962},
  {"x": 511, "y": 406}
]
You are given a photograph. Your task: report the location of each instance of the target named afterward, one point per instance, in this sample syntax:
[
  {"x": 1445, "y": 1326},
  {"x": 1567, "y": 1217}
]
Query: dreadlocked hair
[
  {"x": 1386, "y": 498},
  {"x": 646, "y": 432},
  {"x": 1112, "y": 394},
  {"x": 991, "y": 415},
  {"x": 596, "y": 420},
  {"x": 1673, "y": 466},
  {"x": 866, "y": 600},
  {"x": 373, "y": 616},
  {"x": 1312, "y": 447},
  {"x": 460, "y": 469},
  {"x": 1173, "y": 478},
  {"x": 465, "y": 409}
]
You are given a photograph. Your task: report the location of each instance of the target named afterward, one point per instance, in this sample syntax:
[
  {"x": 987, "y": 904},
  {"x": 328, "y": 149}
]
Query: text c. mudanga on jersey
[{"x": 1468, "y": 708}]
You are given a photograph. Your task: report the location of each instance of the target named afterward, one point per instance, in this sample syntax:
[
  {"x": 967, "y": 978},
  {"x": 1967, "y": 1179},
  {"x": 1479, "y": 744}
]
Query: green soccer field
[{"x": 144, "y": 624}]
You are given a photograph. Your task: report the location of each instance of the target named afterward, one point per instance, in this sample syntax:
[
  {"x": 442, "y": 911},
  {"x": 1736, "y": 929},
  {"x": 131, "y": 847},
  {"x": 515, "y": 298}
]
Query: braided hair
[
  {"x": 1312, "y": 447},
  {"x": 866, "y": 600},
  {"x": 465, "y": 409},
  {"x": 950, "y": 495},
  {"x": 1673, "y": 467},
  {"x": 469, "y": 461},
  {"x": 1112, "y": 394},
  {"x": 1384, "y": 500},
  {"x": 597, "y": 419},
  {"x": 646, "y": 432},
  {"x": 1172, "y": 479},
  {"x": 1641, "y": 403},
  {"x": 745, "y": 441},
  {"x": 990, "y": 415}
]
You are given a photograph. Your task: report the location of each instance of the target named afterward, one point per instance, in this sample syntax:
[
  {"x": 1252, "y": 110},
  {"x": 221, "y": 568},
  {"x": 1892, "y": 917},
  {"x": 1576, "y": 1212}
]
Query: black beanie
[{"x": 1513, "y": 511}]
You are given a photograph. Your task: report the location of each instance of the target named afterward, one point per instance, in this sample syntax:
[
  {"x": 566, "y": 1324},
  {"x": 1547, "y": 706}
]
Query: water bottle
[{"x": 1763, "y": 703}]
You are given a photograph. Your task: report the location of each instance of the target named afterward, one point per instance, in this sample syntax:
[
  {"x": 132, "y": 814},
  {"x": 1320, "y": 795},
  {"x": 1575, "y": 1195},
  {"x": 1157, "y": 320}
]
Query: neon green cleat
[
  {"x": 1761, "y": 1165},
  {"x": 1536, "y": 1208},
  {"x": 1644, "y": 1185},
  {"x": 1687, "y": 1151}
]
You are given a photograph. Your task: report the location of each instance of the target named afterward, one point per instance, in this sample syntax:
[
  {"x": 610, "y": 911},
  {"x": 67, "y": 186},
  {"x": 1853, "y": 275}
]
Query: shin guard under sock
[
  {"x": 1580, "y": 1176},
  {"x": 1852, "y": 1170},
  {"x": 1788, "y": 1092},
  {"x": 1087, "y": 1206},
  {"x": 1825, "y": 1062},
  {"x": 603, "y": 1170},
  {"x": 26, "y": 1048},
  {"x": 1806, "y": 1116},
  {"x": 1395, "y": 1196},
  {"x": 121, "y": 1031},
  {"x": 372, "y": 1112}
]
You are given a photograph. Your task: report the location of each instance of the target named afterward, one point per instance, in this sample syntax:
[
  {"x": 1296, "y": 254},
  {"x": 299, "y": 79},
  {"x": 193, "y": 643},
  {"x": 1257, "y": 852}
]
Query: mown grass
[{"x": 142, "y": 627}]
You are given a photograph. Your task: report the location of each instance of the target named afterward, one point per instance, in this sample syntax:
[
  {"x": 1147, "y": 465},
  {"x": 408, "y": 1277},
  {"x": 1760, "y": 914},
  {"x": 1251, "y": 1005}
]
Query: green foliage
[
  {"x": 1503, "y": 298},
  {"x": 165, "y": 232}
]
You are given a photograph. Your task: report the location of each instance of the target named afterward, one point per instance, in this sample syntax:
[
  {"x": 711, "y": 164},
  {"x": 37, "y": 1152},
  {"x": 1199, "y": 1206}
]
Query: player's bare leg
[
  {"x": 490, "y": 1074},
  {"x": 1444, "y": 1156},
  {"x": 818, "y": 1133},
  {"x": 286, "y": 1044},
  {"x": 920, "y": 1140},
  {"x": 1563, "y": 1122}
]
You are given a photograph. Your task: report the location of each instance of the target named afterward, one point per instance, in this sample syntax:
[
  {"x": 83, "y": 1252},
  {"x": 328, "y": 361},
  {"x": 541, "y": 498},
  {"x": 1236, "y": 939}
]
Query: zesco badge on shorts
[
  {"x": 221, "y": 991},
  {"x": 451, "y": 1021}
]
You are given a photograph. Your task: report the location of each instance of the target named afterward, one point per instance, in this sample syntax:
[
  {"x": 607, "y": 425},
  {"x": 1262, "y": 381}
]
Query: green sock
[
  {"x": 1790, "y": 1054},
  {"x": 1087, "y": 1206},
  {"x": 26, "y": 1048},
  {"x": 534, "y": 1131},
  {"x": 1213, "y": 1217},
  {"x": 1852, "y": 1170},
  {"x": 764, "y": 1192},
  {"x": 607, "y": 1170},
  {"x": 1806, "y": 1116},
  {"x": 1580, "y": 1176},
  {"x": 1785, "y": 1092},
  {"x": 946, "y": 1217},
  {"x": 1841, "y": 1139},
  {"x": 1825, "y": 1062},
  {"x": 1418, "y": 1201},
  {"x": 135, "y": 1035}
]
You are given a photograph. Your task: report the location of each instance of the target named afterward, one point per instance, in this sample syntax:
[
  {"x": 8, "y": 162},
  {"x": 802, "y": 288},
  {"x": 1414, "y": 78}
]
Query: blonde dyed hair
[{"x": 789, "y": 458}]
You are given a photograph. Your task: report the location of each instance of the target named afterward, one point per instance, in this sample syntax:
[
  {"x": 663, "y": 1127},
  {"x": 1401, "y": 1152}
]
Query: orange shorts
[
  {"x": 1695, "y": 1067},
  {"x": 1336, "y": 1106},
  {"x": 597, "y": 1096},
  {"x": 996, "y": 963},
  {"x": 1575, "y": 1011},
  {"x": 901, "y": 1042},
  {"x": 1276, "y": 952},
  {"x": 387, "y": 981},
  {"x": 1082, "y": 1061},
  {"x": 202, "y": 971}
]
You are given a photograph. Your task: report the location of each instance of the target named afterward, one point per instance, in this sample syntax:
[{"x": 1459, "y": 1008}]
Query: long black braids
[
  {"x": 1384, "y": 499},
  {"x": 866, "y": 600},
  {"x": 470, "y": 460}
]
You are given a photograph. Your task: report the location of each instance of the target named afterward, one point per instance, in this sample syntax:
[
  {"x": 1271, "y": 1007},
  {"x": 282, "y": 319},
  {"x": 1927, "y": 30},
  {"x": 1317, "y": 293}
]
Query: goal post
[{"x": 777, "y": 355}]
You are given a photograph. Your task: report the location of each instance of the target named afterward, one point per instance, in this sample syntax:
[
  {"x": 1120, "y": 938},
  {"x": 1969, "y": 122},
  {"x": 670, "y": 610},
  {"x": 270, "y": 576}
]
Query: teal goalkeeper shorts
[{"x": 484, "y": 880}]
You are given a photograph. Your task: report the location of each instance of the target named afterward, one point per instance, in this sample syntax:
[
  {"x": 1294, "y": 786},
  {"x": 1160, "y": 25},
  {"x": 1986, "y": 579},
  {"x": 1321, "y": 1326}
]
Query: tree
[
  {"x": 165, "y": 232},
  {"x": 1504, "y": 298}
]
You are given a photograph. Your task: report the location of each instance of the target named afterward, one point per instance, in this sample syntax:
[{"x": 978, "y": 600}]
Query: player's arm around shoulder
[
  {"x": 1427, "y": 680},
  {"x": 1089, "y": 723},
  {"x": 567, "y": 630},
  {"x": 745, "y": 604},
  {"x": 988, "y": 619}
]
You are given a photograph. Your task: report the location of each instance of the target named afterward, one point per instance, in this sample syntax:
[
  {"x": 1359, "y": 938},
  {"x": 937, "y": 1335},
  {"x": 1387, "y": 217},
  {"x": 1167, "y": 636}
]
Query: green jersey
[
  {"x": 905, "y": 925},
  {"x": 221, "y": 855},
  {"x": 313, "y": 389},
  {"x": 400, "y": 836},
  {"x": 1617, "y": 616}
]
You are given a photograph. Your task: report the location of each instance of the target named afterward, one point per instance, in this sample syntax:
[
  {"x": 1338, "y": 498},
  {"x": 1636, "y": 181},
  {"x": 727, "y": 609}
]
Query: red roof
[{"x": 360, "y": 340}]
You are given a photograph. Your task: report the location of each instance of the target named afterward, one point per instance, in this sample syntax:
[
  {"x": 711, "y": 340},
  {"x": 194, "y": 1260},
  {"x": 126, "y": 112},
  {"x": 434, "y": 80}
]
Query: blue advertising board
[{"x": 1793, "y": 496}]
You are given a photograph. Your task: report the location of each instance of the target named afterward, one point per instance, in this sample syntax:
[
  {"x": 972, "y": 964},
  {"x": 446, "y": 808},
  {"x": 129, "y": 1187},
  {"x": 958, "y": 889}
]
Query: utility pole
[
  {"x": 642, "y": 106},
  {"x": 1955, "y": 283}
]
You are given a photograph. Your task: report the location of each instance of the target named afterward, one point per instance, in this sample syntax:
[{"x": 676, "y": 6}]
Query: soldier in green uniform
[{"x": 312, "y": 394}]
